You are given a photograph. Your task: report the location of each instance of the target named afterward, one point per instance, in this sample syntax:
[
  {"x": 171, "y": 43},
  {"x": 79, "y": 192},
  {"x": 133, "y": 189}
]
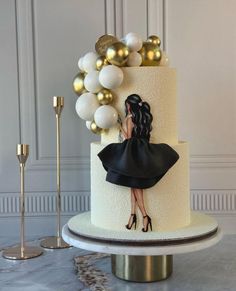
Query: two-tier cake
[{"x": 139, "y": 169}]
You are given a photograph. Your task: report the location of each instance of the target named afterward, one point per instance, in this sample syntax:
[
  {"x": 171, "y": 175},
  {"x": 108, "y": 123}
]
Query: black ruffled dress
[{"x": 136, "y": 163}]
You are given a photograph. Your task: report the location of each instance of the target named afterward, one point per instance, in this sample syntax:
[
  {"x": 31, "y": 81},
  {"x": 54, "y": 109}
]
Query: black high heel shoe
[
  {"x": 134, "y": 221},
  {"x": 148, "y": 223}
]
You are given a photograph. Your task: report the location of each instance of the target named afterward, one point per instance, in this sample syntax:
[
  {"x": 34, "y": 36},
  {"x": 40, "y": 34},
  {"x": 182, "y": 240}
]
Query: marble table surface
[{"x": 212, "y": 269}]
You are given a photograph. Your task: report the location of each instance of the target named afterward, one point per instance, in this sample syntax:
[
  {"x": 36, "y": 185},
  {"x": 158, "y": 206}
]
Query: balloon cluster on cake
[{"x": 100, "y": 73}]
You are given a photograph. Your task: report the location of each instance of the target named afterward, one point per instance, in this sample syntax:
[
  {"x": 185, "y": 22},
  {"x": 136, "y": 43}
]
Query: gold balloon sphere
[
  {"x": 101, "y": 62},
  {"x": 154, "y": 39},
  {"x": 104, "y": 97},
  {"x": 117, "y": 54},
  {"x": 78, "y": 84},
  {"x": 95, "y": 129},
  {"x": 151, "y": 54}
]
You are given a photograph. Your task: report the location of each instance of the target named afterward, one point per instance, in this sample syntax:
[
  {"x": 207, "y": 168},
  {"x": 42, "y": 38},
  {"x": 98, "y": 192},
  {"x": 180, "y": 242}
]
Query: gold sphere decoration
[
  {"x": 154, "y": 39},
  {"x": 101, "y": 62},
  {"x": 117, "y": 54},
  {"x": 95, "y": 129},
  {"x": 151, "y": 54},
  {"x": 78, "y": 83},
  {"x": 104, "y": 96}
]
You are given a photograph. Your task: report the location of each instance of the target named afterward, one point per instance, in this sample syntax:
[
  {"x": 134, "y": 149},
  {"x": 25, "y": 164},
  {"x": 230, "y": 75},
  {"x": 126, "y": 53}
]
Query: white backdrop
[{"x": 41, "y": 41}]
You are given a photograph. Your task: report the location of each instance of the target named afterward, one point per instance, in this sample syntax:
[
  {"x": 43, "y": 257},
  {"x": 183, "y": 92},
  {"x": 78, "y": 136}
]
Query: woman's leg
[
  {"x": 139, "y": 197},
  {"x": 133, "y": 202},
  {"x": 140, "y": 202},
  {"x": 133, "y": 209}
]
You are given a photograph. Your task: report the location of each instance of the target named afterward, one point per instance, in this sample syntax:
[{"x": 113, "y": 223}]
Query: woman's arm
[
  {"x": 129, "y": 126},
  {"x": 123, "y": 132},
  {"x": 126, "y": 127}
]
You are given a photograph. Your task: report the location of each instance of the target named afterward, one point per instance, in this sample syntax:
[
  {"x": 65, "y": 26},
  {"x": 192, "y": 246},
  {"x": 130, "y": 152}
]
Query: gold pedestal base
[
  {"x": 54, "y": 242},
  {"x": 17, "y": 253},
  {"x": 142, "y": 268}
]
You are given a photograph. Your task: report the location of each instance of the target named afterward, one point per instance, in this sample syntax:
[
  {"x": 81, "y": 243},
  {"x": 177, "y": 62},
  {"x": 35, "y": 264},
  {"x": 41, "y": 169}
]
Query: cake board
[{"x": 142, "y": 260}]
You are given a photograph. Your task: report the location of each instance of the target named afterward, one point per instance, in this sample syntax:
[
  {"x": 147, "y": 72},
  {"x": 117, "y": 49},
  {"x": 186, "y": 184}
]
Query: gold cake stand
[
  {"x": 142, "y": 268},
  {"x": 140, "y": 260}
]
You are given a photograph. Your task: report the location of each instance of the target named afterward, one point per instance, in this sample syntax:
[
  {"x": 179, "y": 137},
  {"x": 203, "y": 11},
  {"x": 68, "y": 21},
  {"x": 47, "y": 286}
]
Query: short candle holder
[
  {"x": 56, "y": 242},
  {"x": 22, "y": 252}
]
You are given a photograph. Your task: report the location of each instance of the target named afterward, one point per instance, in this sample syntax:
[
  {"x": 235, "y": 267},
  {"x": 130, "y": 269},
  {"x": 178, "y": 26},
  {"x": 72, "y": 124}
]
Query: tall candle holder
[
  {"x": 56, "y": 242},
  {"x": 22, "y": 252}
]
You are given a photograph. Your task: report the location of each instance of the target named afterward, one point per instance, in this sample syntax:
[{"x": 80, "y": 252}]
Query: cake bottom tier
[{"x": 167, "y": 203}]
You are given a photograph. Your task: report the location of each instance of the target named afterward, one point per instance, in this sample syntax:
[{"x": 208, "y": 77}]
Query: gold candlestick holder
[
  {"x": 56, "y": 242},
  {"x": 22, "y": 252}
]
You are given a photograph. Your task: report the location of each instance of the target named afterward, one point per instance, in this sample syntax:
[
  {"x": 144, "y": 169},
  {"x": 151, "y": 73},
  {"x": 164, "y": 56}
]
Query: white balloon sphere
[
  {"x": 134, "y": 59},
  {"x": 134, "y": 43},
  {"x": 111, "y": 77},
  {"x": 86, "y": 105},
  {"x": 80, "y": 64},
  {"x": 89, "y": 61},
  {"x": 106, "y": 116},
  {"x": 130, "y": 34},
  {"x": 91, "y": 82},
  {"x": 164, "y": 60},
  {"x": 88, "y": 124}
]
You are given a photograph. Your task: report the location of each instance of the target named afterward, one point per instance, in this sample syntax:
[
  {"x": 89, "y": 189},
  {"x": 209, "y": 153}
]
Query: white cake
[{"x": 168, "y": 202}]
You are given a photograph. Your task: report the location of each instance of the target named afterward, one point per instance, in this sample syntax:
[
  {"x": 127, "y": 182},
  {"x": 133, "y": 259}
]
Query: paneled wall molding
[
  {"x": 119, "y": 18},
  {"x": 214, "y": 201},
  {"x": 110, "y": 17},
  {"x": 27, "y": 70},
  {"x": 44, "y": 203},
  {"x": 49, "y": 163},
  {"x": 26, "y": 73},
  {"x": 114, "y": 23},
  {"x": 165, "y": 25},
  {"x": 213, "y": 161},
  {"x": 41, "y": 209},
  {"x": 205, "y": 161},
  {"x": 155, "y": 19}
]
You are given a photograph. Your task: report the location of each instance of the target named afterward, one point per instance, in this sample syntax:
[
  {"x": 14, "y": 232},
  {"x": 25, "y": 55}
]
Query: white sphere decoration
[
  {"x": 111, "y": 77},
  {"x": 164, "y": 60},
  {"x": 89, "y": 62},
  {"x": 106, "y": 116},
  {"x": 88, "y": 124},
  {"x": 133, "y": 42},
  {"x": 80, "y": 64},
  {"x": 91, "y": 82},
  {"x": 134, "y": 59},
  {"x": 130, "y": 34},
  {"x": 86, "y": 105}
]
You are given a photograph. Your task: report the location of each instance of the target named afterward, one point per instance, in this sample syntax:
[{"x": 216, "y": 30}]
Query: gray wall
[{"x": 41, "y": 41}]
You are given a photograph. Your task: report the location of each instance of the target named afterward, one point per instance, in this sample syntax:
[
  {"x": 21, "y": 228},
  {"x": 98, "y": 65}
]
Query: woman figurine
[{"x": 135, "y": 162}]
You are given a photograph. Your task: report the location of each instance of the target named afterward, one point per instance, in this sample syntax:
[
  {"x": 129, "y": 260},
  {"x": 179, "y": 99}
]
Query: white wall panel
[
  {"x": 135, "y": 17},
  {"x": 9, "y": 118},
  {"x": 51, "y": 43},
  {"x": 200, "y": 37},
  {"x": 201, "y": 40}
]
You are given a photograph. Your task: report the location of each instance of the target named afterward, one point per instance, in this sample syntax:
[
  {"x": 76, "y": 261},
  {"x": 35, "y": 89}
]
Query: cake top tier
[
  {"x": 101, "y": 74},
  {"x": 146, "y": 89}
]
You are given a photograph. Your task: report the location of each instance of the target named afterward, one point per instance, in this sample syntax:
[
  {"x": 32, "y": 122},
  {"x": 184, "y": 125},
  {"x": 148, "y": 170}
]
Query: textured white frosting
[
  {"x": 167, "y": 203},
  {"x": 157, "y": 86}
]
